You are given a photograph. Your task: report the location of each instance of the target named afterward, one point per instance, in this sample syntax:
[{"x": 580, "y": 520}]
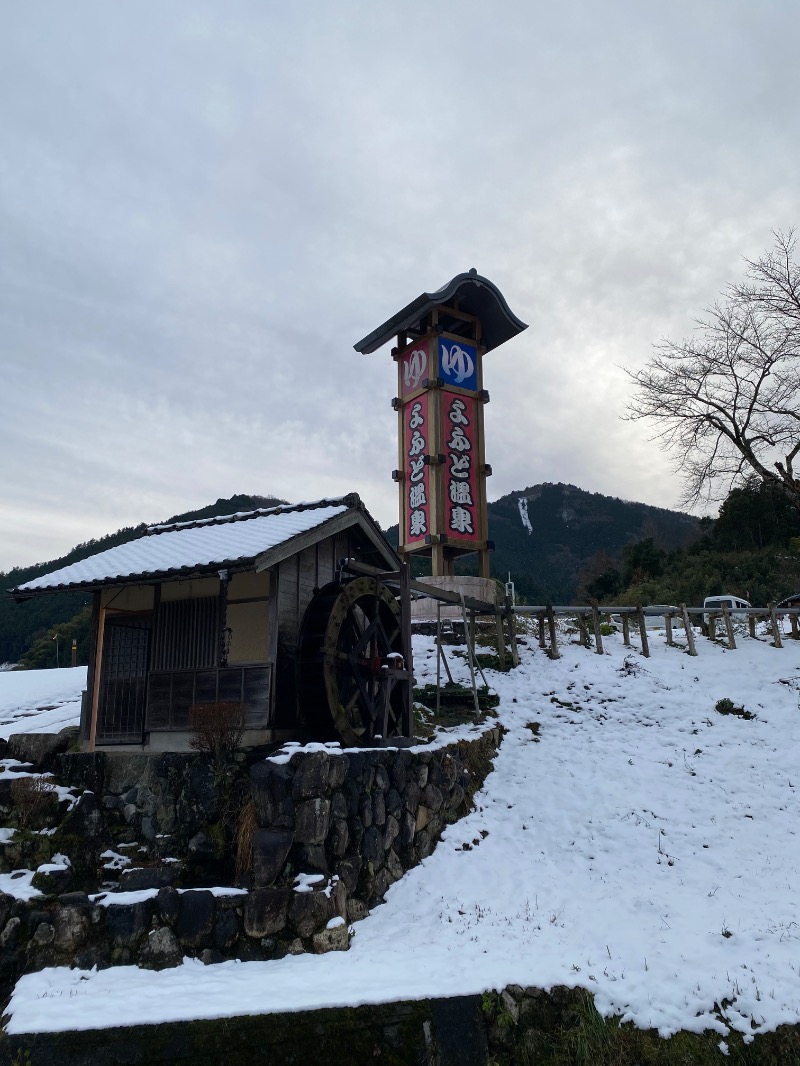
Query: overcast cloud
[{"x": 203, "y": 206}]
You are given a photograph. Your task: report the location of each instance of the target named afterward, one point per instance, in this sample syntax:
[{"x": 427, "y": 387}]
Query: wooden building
[{"x": 208, "y": 611}]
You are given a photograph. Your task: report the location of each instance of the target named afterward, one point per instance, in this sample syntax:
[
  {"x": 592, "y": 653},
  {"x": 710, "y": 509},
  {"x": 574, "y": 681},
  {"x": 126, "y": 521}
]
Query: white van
[{"x": 735, "y": 604}]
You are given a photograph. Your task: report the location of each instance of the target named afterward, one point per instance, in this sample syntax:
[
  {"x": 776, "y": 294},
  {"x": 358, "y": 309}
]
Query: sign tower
[{"x": 441, "y": 338}]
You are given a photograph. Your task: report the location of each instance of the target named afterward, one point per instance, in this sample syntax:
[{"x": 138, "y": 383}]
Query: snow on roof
[{"x": 187, "y": 546}]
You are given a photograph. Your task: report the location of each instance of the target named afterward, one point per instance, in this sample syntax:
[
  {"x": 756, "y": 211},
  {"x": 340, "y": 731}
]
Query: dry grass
[
  {"x": 246, "y": 827},
  {"x": 217, "y": 728},
  {"x": 35, "y": 799}
]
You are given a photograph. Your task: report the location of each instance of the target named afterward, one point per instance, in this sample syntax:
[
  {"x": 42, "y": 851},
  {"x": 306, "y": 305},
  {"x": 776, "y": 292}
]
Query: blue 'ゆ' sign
[{"x": 458, "y": 364}]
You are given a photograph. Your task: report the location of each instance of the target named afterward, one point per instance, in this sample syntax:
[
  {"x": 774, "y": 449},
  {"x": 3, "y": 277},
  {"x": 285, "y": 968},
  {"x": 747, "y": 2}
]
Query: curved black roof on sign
[{"x": 476, "y": 296}]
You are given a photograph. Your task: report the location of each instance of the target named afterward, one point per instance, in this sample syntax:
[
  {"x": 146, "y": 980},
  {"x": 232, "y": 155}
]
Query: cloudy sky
[{"x": 203, "y": 206}]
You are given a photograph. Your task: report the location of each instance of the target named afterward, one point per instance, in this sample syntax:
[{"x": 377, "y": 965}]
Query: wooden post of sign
[
  {"x": 401, "y": 464},
  {"x": 687, "y": 625},
  {"x": 726, "y": 617},
  {"x": 405, "y": 636},
  {"x": 551, "y": 625},
  {"x": 598, "y": 636},
  {"x": 643, "y": 631},
  {"x": 626, "y": 629},
  {"x": 98, "y": 664},
  {"x": 776, "y": 629}
]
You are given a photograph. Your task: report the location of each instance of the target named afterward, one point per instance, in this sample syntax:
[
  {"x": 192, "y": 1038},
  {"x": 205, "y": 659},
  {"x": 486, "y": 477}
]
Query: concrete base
[
  {"x": 178, "y": 740},
  {"x": 479, "y": 588}
]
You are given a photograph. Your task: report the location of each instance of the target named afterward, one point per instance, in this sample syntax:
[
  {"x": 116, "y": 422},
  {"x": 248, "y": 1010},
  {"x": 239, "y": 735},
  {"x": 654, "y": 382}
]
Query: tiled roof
[{"x": 189, "y": 546}]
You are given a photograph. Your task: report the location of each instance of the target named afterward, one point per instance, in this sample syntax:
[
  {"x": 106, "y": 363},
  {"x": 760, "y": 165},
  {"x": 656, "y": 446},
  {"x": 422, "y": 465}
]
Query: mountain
[
  {"x": 547, "y": 535},
  {"x": 22, "y": 624}
]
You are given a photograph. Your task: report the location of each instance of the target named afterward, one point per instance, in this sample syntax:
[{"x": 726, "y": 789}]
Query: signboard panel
[
  {"x": 462, "y": 503},
  {"x": 415, "y": 367},
  {"x": 458, "y": 363},
  {"x": 416, "y": 482}
]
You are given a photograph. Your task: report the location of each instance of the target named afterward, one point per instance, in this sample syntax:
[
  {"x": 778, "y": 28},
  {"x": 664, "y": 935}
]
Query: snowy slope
[
  {"x": 636, "y": 843},
  {"x": 40, "y": 701}
]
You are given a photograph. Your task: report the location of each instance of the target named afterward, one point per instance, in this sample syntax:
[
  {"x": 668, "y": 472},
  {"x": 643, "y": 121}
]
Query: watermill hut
[{"x": 205, "y": 612}]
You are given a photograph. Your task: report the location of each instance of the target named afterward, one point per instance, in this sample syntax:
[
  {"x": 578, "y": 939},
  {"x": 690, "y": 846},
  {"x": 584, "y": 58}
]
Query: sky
[{"x": 203, "y": 207}]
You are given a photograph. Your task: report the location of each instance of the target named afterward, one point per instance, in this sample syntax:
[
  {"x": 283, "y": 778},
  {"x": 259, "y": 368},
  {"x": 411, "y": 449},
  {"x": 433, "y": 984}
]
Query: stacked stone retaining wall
[{"x": 332, "y": 831}]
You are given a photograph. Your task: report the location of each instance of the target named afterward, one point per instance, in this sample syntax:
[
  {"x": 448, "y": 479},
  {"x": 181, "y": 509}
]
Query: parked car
[
  {"x": 737, "y": 606},
  {"x": 653, "y": 620},
  {"x": 653, "y": 615}
]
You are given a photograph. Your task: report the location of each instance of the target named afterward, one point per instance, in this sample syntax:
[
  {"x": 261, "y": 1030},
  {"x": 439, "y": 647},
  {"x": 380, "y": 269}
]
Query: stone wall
[{"x": 331, "y": 831}]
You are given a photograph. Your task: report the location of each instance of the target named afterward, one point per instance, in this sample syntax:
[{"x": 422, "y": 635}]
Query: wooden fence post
[
  {"x": 643, "y": 631},
  {"x": 584, "y": 629},
  {"x": 751, "y": 625},
  {"x": 501, "y": 640},
  {"x": 776, "y": 629},
  {"x": 512, "y": 632},
  {"x": 687, "y": 625},
  {"x": 726, "y": 616},
  {"x": 551, "y": 625},
  {"x": 793, "y": 623},
  {"x": 598, "y": 636},
  {"x": 668, "y": 620},
  {"x": 626, "y": 629}
]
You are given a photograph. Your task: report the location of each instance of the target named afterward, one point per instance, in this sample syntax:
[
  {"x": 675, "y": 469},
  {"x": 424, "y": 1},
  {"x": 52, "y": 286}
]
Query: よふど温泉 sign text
[{"x": 416, "y": 482}]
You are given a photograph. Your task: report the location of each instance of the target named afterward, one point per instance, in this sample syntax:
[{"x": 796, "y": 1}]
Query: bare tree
[{"x": 726, "y": 402}]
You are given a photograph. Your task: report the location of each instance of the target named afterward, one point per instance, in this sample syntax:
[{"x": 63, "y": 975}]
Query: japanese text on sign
[
  {"x": 461, "y": 470},
  {"x": 416, "y": 484}
]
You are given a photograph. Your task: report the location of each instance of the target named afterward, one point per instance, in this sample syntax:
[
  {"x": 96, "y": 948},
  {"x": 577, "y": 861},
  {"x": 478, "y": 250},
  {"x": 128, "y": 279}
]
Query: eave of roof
[
  {"x": 476, "y": 296},
  {"x": 348, "y": 504}
]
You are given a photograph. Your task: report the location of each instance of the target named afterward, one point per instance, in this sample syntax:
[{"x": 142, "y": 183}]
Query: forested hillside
[
  {"x": 559, "y": 543},
  {"x": 548, "y": 536},
  {"x": 21, "y": 625}
]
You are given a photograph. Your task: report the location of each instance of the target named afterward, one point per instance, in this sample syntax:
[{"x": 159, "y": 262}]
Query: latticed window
[{"x": 123, "y": 680}]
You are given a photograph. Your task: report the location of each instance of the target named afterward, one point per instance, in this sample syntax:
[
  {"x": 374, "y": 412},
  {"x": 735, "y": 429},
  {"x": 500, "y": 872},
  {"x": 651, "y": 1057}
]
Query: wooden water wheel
[{"x": 351, "y": 676}]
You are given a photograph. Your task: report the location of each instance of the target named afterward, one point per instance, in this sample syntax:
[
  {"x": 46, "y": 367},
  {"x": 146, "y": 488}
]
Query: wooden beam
[{"x": 98, "y": 665}]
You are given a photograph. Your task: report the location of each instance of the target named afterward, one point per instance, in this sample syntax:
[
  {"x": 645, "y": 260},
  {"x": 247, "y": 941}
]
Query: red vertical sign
[
  {"x": 415, "y": 367},
  {"x": 459, "y": 421},
  {"x": 416, "y": 435}
]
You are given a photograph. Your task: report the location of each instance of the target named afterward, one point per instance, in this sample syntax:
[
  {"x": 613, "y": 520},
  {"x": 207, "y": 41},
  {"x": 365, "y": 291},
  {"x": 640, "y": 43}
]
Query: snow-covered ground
[
  {"x": 40, "y": 701},
  {"x": 634, "y": 842}
]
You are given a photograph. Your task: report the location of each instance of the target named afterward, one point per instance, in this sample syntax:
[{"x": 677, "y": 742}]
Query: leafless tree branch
[{"x": 726, "y": 401}]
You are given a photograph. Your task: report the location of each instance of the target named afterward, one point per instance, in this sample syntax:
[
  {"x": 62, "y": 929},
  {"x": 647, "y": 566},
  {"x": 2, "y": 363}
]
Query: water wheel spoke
[{"x": 347, "y": 630}]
